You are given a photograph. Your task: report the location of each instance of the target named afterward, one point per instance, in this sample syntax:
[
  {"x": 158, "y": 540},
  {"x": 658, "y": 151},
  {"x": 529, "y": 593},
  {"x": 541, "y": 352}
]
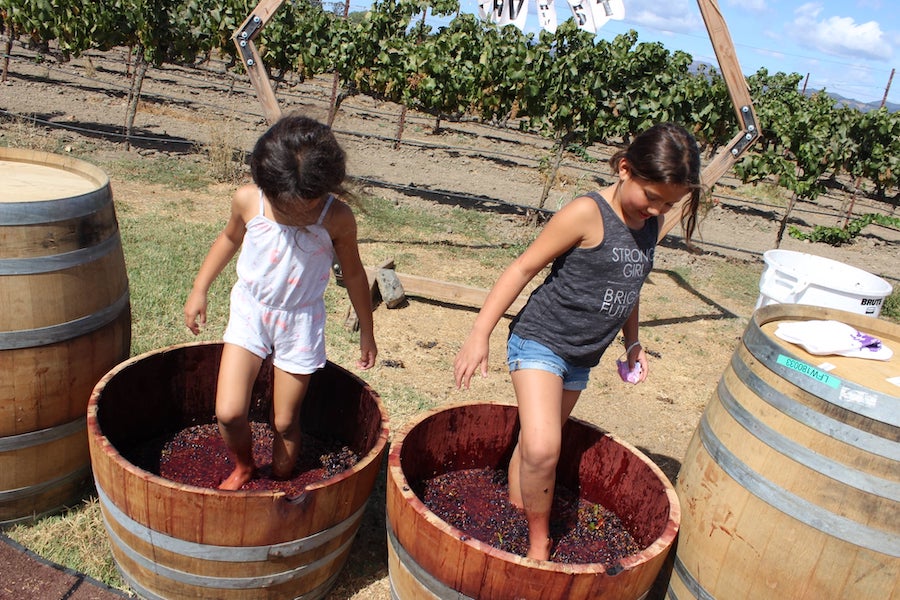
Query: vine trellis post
[
  {"x": 243, "y": 38},
  {"x": 739, "y": 92}
]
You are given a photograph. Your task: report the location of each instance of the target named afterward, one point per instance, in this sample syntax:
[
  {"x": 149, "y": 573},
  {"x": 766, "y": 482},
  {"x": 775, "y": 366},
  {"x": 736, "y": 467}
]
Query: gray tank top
[{"x": 582, "y": 304}]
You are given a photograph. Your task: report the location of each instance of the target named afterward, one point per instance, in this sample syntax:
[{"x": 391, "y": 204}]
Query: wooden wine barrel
[
  {"x": 791, "y": 483},
  {"x": 172, "y": 540},
  {"x": 429, "y": 558},
  {"x": 65, "y": 321}
]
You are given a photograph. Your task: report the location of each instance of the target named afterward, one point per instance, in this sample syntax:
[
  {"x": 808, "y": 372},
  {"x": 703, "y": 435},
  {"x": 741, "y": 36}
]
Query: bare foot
[
  {"x": 540, "y": 551},
  {"x": 237, "y": 479}
]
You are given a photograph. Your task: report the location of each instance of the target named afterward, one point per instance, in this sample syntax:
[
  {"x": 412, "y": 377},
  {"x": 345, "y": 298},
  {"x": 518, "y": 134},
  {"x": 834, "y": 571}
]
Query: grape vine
[{"x": 567, "y": 85}]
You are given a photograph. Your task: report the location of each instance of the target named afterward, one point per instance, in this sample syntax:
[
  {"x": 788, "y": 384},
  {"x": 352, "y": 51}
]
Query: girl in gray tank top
[{"x": 600, "y": 249}]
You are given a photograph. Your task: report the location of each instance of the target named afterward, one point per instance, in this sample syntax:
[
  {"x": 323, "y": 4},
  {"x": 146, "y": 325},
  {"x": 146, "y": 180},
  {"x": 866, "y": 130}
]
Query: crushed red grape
[
  {"x": 197, "y": 456},
  {"x": 476, "y": 501}
]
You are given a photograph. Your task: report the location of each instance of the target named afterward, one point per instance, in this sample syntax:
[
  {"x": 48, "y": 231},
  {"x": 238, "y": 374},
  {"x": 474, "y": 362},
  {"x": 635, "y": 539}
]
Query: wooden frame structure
[
  {"x": 740, "y": 98},
  {"x": 243, "y": 38}
]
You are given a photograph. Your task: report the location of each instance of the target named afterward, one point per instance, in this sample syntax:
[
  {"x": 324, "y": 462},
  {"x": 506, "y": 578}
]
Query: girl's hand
[
  {"x": 195, "y": 311},
  {"x": 472, "y": 356},
  {"x": 637, "y": 355},
  {"x": 367, "y": 352}
]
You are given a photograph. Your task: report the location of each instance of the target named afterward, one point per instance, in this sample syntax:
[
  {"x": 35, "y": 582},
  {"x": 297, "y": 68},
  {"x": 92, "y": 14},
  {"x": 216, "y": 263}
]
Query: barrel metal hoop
[
  {"x": 53, "y": 334},
  {"x": 36, "y": 213},
  {"x": 314, "y": 594},
  {"x": 50, "y": 263},
  {"x": 814, "y": 419},
  {"x": 428, "y": 581},
  {"x": 846, "y": 394},
  {"x": 240, "y": 554},
  {"x": 39, "y": 488},
  {"x": 41, "y": 436},
  {"x": 687, "y": 579},
  {"x": 814, "y": 461},
  {"x": 794, "y": 506},
  {"x": 225, "y": 553}
]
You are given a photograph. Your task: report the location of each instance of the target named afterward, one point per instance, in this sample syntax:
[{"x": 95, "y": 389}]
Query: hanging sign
[{"x": 589, "y": 15}]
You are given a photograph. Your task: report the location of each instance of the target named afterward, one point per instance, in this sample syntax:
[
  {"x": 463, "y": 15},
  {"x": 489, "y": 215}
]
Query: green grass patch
[
  {"x": 769, "y": 193},
  {"x": 383, "y": 217},
  {"x": 837, "y": 236},
  {"x": 737, "y": 281},
  {"x": 406, "y": 234},
  {"x": 162, "y": 257},
  {"x": 891, "y": 306},
  {"x": 175, "y": 173},
  {"x": 734, "y": 280}
]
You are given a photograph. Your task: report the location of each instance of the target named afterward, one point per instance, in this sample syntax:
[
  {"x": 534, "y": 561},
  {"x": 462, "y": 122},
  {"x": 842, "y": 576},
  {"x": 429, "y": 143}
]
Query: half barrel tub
[
  {"x": 791, "y": 483},
  {"x": 429, "y": 559},
  {"x": 172, "y": 540},
  {"x": 65, "y": 321}
]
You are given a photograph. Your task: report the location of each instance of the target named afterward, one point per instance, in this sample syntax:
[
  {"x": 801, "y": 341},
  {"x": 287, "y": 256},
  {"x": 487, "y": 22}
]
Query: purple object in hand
[{"x": 632, "y": 376}]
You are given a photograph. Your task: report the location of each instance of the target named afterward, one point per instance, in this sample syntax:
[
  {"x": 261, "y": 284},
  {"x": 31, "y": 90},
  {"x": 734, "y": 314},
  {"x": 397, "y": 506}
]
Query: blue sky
[{"x": 848, "y": 47}]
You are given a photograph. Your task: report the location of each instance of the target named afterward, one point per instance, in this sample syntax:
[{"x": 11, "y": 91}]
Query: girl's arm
[
  {"x": 577, "y": 224},
  {"x": 636, "y": 353},
  {"x": 220, "y": 253},
  {"x": 630, "y": 333},
  {"x": 343, "y": 229}
]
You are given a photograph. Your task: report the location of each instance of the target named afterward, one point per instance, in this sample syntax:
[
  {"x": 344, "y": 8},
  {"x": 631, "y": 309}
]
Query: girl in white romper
[{"x": 290, "y": 223}]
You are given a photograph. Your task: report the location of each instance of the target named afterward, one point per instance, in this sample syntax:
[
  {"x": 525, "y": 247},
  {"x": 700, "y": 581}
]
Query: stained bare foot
[
  {"x": 237, "y": 479},
  {"x": 540, "y": 551}
]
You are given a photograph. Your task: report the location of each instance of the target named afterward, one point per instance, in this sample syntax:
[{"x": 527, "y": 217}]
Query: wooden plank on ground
[{"x": 445, "y": 291}]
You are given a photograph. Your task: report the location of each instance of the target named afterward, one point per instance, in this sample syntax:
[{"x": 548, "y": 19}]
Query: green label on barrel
[{"x": 809, "y": 371}]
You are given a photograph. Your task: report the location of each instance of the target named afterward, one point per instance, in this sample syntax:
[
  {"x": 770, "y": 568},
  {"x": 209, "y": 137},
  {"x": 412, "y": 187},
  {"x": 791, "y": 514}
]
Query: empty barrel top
[{"x": 31, "y": 176}]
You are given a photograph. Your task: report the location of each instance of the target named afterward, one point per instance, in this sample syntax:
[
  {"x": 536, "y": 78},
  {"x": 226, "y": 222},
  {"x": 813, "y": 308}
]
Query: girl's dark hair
[
  {"x": 667, "y": 153},
  {"x": 296, "y": 161}
]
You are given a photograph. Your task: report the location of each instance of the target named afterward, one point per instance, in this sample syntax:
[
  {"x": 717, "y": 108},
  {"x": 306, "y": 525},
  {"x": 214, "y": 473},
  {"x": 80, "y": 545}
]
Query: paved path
[{"x": 26, "y": 576}]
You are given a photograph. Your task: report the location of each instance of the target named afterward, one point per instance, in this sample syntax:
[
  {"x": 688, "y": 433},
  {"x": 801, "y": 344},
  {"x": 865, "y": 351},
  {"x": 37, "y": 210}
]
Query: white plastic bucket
[{"x": 799, "y": 278}]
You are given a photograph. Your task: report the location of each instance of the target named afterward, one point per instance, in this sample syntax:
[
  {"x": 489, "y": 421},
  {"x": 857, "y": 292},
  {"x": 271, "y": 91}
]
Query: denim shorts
[{"x": 528, "y": 354}]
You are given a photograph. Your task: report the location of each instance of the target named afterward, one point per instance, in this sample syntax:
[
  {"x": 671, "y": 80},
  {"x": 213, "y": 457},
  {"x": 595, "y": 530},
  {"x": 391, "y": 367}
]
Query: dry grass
[
  {"x": 146, "y": 107},
  {"x": 225, "y": 161},
  {"x": 24, "y": 132}
]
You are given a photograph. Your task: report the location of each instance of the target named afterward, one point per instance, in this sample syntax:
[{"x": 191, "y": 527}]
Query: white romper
[{"x": 277, "y": 304}]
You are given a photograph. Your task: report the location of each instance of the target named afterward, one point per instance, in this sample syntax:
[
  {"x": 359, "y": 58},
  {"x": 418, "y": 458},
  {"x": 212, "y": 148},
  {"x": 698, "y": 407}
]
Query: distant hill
[
  {"x": 705, "y": 67},
  {"x": 860, "y": 106}
]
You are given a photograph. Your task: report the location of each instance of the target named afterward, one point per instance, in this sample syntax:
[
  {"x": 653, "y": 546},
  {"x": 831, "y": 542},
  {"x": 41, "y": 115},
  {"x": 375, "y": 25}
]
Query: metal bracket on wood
[
  {"x": 740, "y": 99},
  {"x": 750, "y": 133},
  {"x": 244, "y": 36},
  {"x": 251, "y": 28},
  {"x": 243, "y": 39}
]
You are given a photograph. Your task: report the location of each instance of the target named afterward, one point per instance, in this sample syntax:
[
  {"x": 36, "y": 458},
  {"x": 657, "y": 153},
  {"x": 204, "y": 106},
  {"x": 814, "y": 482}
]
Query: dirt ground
[{"x": 694, "y": 306}]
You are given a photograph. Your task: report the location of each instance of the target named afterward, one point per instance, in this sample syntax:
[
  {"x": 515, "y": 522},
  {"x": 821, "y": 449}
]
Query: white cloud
[
  {"x": 770, "y": 53},
  {"x": 856, "y": 82},
  {"x": 677, "y": 16},
  {"x": 749, "y": 5},
  {"x": 838, "y": 36}
]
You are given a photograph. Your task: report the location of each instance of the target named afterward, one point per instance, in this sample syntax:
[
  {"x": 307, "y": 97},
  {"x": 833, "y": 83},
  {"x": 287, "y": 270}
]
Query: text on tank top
[{"x": 582, "y": 304}]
